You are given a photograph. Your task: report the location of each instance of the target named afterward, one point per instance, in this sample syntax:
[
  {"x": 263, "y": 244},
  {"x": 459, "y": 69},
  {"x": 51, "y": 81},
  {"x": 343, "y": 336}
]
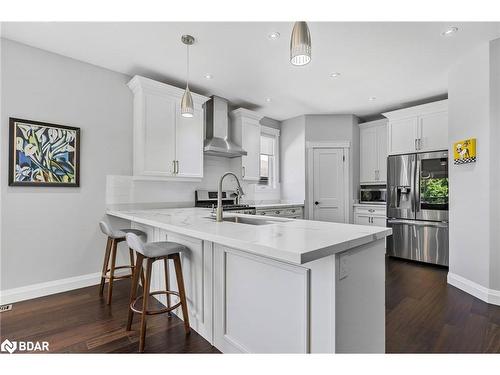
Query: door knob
[{"x": 316, "y": 203}]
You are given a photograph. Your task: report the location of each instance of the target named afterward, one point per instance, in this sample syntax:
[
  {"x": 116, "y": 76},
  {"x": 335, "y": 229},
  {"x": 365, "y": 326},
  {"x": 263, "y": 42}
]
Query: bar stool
[
  {"x": 114, "y": 237},
  {"x": 153, "y": 251}
]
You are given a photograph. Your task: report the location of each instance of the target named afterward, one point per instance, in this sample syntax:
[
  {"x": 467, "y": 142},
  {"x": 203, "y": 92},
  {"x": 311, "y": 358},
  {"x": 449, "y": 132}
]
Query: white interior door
[{"x": 328, "y": 184}]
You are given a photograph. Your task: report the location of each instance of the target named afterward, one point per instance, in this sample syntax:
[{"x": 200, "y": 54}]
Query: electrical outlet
[
  {"x": 5, "y": 308},
  {"x": 343, "y": 266}
]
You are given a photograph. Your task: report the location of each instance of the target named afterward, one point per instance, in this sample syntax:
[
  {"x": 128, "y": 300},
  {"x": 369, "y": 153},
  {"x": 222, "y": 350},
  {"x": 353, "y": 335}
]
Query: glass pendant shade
[
  {"x": 187, "y": 108},
  {"x": 300, "y": 44}
]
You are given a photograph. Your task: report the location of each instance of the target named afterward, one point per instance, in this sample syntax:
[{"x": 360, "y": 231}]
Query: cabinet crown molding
[
  {"x": 374, "y": 123},
  {"x": 243, "y": 112},
  {"x": 139, "y": 84},
  {"x": 439, "y": 106}
]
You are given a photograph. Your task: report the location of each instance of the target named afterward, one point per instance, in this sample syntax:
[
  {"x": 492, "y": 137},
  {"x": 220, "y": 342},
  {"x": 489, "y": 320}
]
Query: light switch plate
[{"x": 5, "y": 308}]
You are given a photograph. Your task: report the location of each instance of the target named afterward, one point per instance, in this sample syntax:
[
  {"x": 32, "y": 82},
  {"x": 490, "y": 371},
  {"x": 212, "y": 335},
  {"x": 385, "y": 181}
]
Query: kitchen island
[{"x": 260, "y": 284}]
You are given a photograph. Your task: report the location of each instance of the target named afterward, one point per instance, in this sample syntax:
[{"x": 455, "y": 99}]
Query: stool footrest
[
  {"x": 158, "y": 311},
  {"x": 107, "y": 276}
]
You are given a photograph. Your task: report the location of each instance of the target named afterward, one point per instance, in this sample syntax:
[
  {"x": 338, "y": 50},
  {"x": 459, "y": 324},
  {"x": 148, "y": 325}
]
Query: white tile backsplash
[{"x": 126, "y": 190}]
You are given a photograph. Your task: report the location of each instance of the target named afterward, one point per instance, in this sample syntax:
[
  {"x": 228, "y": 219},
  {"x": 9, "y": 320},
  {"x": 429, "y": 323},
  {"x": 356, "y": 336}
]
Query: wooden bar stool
[
  {"x": 153, "y": 251},
  {"x": 108, "y": 271}
]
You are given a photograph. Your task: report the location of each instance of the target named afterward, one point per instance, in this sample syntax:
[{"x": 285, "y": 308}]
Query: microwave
[{"x": 372, "y": 194}]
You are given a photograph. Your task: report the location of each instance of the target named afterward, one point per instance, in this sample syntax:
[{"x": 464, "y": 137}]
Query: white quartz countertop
[
  {"x": 290, "y": 240},
  {"x": 278, "y": 205}
]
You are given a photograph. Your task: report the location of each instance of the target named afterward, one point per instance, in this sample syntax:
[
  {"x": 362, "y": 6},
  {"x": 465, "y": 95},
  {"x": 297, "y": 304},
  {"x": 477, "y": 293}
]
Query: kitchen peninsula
[{"x": 260, "y": 284}]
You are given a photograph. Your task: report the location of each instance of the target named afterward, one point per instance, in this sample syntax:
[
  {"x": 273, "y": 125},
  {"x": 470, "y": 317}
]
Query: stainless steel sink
[{"x": 245, "y": 220}]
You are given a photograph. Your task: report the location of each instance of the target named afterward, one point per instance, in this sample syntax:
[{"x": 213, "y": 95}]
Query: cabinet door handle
[
  {"x": 242, "y": 171},
  {"x": 420, "y": 143},
  {"x": 277, "y": 212},
  {"x": 173, "y": 166},
  {"x": 177, "y": 162},
  {"x": 416, "y": 144}
]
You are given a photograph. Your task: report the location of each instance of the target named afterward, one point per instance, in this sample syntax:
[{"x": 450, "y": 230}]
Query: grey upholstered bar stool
[
  {"x": 153, "y": 251},
  {"x": 108, "y": 271}
]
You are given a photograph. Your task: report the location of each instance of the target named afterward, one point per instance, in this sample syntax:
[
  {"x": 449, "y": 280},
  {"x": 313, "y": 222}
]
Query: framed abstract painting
[{"x": 43, "y": 154}]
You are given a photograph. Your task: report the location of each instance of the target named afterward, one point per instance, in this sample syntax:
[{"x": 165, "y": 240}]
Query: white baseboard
[
  {"x": 52, "y": 287},
  {"x": 487, "y": 295}
]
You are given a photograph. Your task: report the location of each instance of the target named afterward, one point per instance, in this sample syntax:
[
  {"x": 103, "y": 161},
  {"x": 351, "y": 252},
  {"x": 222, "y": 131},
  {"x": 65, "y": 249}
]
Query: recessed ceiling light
[
  {"x": 335, "y": 75},
  {"x": 209, "y": 76},
  {"x": 268, "y": 100},
  {"x": 274, "y": 36},
  {"x": 450, "y": 31},
  {"x": 372, "y": 98}
]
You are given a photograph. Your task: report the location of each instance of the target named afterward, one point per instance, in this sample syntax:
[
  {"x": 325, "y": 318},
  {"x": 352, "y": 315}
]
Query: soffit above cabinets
[{"x": 396, "y": 62}]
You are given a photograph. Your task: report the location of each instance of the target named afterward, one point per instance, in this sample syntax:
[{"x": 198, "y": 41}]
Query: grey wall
[
  {"x": 338, "y": 128},
  {"x": 495, "y": 165},
  {"x": 297, "y": 131},
  {"x": 474, "y": 85},
  {"x": 52, "y": 233},
  {"x": 293, "y": 159}
]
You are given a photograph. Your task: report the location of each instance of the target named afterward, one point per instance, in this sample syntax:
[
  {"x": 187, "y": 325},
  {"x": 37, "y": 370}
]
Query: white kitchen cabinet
[
  {"x": 418, "y": 129},
  {"x": 246, "y": 133},
  {"x": 189, "y": 142},
  {"x": 291, "y": 212},
  {"x": 373, "y": 153},
  {"x": 166, "y": 145},
  {"x": 244, "y": 285},
  {"x": 197, "y": 272},
  {"x": 433, "y": 129},
  {"x": 370, "y": 215}
]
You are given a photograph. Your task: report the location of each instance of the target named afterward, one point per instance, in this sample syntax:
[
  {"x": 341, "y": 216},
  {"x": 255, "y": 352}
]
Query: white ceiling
[{"x": 397, "y": 63}]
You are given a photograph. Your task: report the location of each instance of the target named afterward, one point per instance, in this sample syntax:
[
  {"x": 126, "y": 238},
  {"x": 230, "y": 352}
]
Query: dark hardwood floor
[
  {"x": 423, "y": 315},
  {"x": 426, "y": 315},
  {"x": 80, "y": 322}
]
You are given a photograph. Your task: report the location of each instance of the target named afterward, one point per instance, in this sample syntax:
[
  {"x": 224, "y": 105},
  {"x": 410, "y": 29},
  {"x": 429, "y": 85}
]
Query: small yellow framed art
[{"x": 464, "y": 151}]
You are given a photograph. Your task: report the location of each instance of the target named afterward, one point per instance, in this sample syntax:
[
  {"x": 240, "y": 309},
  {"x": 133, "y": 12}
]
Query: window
[{"x": 269, "y": 162}]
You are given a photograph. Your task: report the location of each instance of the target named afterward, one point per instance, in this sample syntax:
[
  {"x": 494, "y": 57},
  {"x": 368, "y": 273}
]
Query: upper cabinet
[
  {"x": 245, "y": 126},
  {"x": 373, "y": 155},
  {"x": 166, "y": 145},
  {"x": 418, "y": 129}
]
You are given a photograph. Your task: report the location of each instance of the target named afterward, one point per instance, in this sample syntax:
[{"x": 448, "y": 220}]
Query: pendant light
[
  {"x": 300, "y": 44},
  {"x": 187, "y": 108}
]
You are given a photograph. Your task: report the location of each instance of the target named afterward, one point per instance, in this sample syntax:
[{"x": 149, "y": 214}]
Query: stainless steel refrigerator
[{"x": 417, "y": 206}]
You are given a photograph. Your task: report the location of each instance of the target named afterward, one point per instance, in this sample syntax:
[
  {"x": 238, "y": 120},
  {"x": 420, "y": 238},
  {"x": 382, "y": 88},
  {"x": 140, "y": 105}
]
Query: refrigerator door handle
[
  {"x": 437, "y": 224},
  {"x": 416, "y": 184},
  {"x": 412, "y": 183}
]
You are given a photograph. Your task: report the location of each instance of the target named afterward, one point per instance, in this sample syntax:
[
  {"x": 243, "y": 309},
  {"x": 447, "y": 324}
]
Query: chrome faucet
[{"x": 219, "y": 194}]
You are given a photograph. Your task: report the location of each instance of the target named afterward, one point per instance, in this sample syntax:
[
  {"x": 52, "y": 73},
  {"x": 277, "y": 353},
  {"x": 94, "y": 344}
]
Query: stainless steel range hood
[{"x": 217, "y": 135}]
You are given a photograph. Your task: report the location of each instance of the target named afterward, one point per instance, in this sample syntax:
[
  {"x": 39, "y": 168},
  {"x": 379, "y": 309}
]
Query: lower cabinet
[
  {"x": 370, "y": 215},
  {"x": 256, "y": 298},
  {"x": 295, "y": 212},
  {"x": 197, "y": 273},
  {"x": 243, "y": 303}
]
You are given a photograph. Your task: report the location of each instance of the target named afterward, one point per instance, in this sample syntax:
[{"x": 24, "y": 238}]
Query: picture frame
[
  {"x": 43, "y": 154},
  {"x": 464, "y": 151}
]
